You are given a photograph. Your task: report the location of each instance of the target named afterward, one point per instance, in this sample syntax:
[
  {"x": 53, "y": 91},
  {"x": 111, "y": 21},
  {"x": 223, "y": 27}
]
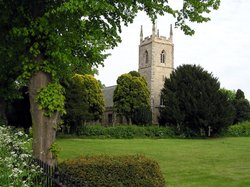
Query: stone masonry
[{"x": 156, "y": 62}]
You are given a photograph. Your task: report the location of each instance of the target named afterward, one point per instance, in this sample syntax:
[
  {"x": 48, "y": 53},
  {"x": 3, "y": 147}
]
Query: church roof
[{"x": 108, "y": 94}]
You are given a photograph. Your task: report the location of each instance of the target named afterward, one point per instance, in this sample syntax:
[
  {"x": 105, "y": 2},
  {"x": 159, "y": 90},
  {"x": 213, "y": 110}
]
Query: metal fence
[{"x": 51, "y": 177}]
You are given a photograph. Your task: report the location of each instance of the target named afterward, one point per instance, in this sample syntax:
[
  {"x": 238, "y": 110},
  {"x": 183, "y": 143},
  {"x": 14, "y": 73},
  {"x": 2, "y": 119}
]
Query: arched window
[
  {"x": 146, "y": 56},
  {"x": 163, "y": 56}
]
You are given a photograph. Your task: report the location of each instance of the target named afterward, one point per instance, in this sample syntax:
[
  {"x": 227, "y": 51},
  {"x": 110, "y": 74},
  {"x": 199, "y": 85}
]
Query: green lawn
[{"x": 213, "y": 162}]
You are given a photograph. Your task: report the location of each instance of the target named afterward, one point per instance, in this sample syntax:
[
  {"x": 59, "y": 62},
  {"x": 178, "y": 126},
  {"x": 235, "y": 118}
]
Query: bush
[
  {"x": 121, "y": 132},
  {"x": 92, "y": 130},
  {"x": 241, "y": 129},
  {"x": 126, "y": 131},
  {"x": 109, "y": 171}
]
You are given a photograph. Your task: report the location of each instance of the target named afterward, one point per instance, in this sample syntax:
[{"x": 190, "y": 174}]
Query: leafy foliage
[
  {"x": 231, "y": 94},
  {"x": 18, "y": 111},
  {"x": 135, "y": 73},
  {"x": 193, "y": 11},
  {"x": 193, "y": 102},
  {"x": 55, "y": 149},
  {"x": 242, "y": 107},
  {"x": 35, "y": 31},
  {"x": 84, "y": 100},
  {"x": 88, "y": 28},
  {"x": 115, "y": 171},
  {"x": 239, "y": 130},
  {"x": 126, "y": 131},
  {"x": 239, "y": 94},
  {"x": 61, "y": 38},
  {"x": 131, "y": 93},
  {"x": 51, "y": 99},
  {"x": 240, "y": 103},
  {"x": 142, "y": 116}
]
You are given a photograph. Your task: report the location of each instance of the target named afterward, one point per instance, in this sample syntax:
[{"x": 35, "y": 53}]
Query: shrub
[
  {"x": 126, "y": 131},
  {"x": 121, "y": 132},
  {"x": 159, "y": 132},
  {"x": 92, "y": 130},
  {"x": 109, "y": 171},
  {"x": 241, "y": 129}
]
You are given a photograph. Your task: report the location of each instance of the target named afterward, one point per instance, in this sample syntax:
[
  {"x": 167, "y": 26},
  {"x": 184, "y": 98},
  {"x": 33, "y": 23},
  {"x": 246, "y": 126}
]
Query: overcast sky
[{"x": 221, "y": 46}]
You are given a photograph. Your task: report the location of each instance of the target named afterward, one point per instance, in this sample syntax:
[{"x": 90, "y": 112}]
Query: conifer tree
[{"x": 193, "y": 103}]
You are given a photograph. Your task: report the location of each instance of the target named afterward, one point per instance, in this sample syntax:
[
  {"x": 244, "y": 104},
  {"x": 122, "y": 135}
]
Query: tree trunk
[
  {"x": 43, "y": 130},
  {"x": 3, "y": 118}
]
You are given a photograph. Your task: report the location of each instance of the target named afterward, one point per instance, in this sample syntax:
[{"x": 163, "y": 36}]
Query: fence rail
[{"x": 53, "y": 178}]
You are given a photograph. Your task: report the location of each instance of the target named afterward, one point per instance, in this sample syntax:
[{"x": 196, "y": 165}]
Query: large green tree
[
  {"x": 45, "y": 41},
  {"x": 130, "y": 95},
  {"x": 240, "y": 103},
  {"x": 194, "y": 104},
  {"x": 242, "y": 107},
  {"x": 84, "y": 100}
]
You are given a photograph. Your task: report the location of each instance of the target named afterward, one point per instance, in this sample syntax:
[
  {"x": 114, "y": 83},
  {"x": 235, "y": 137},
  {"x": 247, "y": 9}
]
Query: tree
[
  {"x": 193, "y": 103},
  {"x": 18, "y": 111},
  {"x": 131, "y": 94},
  {"x": 239, "y": 94},
  {"x": 231, "y": 94},
  {"x": 242, "y": 107},
  {"x": 142, "y": 116},
  {"x": 46, "y": 41},
  {"x": 135, "y": 73},
  {"x": 84, "y": 100},
  {"x": 9, "y": 71}
]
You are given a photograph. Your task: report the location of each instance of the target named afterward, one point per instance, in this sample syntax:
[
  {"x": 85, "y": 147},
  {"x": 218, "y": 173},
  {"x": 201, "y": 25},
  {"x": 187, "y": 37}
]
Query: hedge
[
  {"x": 241, "y": 129},
  {"x": 126, "y": 131},
  {"x": 110, "y": 171}
]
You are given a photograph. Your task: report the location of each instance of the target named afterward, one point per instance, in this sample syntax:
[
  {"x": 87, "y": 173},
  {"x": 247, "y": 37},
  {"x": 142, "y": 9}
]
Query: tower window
[
  {"x": 146, "y": 57},
  {"x": 163, "y": 56}
]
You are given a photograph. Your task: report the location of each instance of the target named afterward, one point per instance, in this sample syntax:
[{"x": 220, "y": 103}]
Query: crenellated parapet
[{"x": 156, "y": 36}]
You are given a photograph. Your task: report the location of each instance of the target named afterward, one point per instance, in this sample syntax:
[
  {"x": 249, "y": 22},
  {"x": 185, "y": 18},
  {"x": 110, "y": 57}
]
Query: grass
[{"x": 184, "y": 162}]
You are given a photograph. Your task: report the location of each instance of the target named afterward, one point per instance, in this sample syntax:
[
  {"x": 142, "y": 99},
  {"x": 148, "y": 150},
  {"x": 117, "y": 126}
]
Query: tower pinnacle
[
  {"x": 171, "y": 33},
  {"x": 141, "y": 34},
  {"x": 153, "y": 29}
]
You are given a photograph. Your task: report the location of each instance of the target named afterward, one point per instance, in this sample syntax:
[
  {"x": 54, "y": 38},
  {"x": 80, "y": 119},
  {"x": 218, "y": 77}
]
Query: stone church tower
[{"x": 156, "y": 62}]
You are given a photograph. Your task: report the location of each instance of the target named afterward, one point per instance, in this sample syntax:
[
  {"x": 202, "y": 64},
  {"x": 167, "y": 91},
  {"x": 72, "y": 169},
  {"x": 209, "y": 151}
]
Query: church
[{"x": 156, "y": 62}]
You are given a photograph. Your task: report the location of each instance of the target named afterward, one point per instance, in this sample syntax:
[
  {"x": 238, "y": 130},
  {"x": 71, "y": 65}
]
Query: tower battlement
[
  {"x": 156, "y": 36},
  {"x": 156, "y": 39}
]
